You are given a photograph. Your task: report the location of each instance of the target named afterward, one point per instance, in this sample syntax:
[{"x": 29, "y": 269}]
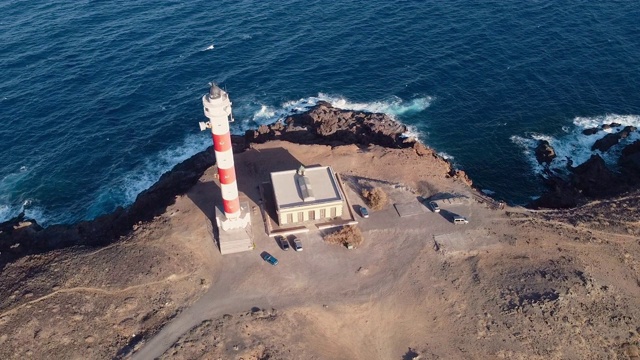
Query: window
[
  {"x": 300, "y": 216},
  {"x": 323, "y": 213},
  {"x": 312, "y": 214},
  {"x": 289, "y": 218},
  {"x": 333, "y": 212}
]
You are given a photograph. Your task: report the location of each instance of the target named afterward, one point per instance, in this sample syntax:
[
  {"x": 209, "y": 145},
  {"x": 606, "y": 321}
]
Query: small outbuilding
[{"x": 306, "y": 194}]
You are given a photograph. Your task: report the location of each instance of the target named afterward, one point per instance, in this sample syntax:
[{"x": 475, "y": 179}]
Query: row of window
[{"x": 312, "y": 215}]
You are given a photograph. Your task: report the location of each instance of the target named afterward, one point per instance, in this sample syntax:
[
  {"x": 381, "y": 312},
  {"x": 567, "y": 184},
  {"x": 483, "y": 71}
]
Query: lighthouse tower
[{"x": 217, "y": 108}]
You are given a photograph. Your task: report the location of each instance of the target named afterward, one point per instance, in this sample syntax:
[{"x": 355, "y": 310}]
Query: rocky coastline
[
  {"x": 322, "y": 124},
  {"x": 593, "y": 179},
  {"x": 325, "y": 125}
]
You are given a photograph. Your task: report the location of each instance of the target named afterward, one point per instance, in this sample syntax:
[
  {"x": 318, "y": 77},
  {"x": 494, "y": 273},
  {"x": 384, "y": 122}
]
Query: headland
[{"x": 147, "y": 281}]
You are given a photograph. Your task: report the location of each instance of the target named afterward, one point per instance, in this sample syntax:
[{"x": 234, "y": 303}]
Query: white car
[
  {"x": 434, "y": 206},
  {"x": 297, "y": 244}
]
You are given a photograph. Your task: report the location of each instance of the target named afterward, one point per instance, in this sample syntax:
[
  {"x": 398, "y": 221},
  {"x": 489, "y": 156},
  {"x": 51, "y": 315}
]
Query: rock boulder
[{"x": 544, "y": 152}]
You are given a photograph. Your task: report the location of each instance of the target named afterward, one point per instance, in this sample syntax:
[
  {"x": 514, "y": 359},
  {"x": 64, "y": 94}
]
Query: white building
[{"x": 306, "y": 194}]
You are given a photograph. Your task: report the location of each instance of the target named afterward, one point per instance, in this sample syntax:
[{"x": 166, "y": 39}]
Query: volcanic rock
[
  {"x": 609, "y": 126},
  {"x": 560, "y": 194},
  {"x": 629, "y": 160},
  {"x": 610, "y": 140},
  {"x": 545, "y": 152},
  {"x": 460, "y": 175},
  {"x": 590, "y": 131},
  {"x": 594, "y": 178},
  {"x": 326, "y": 125},
  {"x": 631, "y": 149},
  {"x": 591, "y": 179}
]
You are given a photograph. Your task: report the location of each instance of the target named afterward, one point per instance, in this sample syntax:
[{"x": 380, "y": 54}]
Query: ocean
[{"x": 99, "y": 98}]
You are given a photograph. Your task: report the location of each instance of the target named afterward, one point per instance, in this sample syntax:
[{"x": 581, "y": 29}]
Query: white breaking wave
[
  {"x": 598, "y": 121},
  {"x": 265, "y": 113},
  {"x": 412, "y": 133},
  {"x": 575, "y": 146},
  {"x": 6, "y": 212},
  {"x": 125, "y": 189},
  {"x": 393, "y": 107},
  {"x": 528, "y": 146},
  {"x": 30, "y": 212},
  {"x": 446, "y": 156},
  {"x": 36, "y": 213},
  {"x": 154, "y": 167},
  {"x": 10, "y": 206}
]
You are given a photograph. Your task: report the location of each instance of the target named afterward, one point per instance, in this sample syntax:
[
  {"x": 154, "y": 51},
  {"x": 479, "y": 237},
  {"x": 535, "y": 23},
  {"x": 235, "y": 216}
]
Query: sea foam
[
  {"x": 572, "y": 145},
  {"x": 124, "y": 190}
]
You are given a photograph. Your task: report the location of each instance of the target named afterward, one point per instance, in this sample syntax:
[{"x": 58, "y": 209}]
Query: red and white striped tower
[{"x": 217, "y": 107}]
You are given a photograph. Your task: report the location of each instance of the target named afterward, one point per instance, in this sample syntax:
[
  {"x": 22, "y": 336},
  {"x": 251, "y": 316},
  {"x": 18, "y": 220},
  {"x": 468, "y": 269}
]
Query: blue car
[
  {"x": 364, "y": 212},
  {"x": 270, "y": 259}
]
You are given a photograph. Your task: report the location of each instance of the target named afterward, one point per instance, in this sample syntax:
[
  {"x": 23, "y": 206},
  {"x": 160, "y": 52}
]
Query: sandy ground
[{"x": 511, "y": 284}]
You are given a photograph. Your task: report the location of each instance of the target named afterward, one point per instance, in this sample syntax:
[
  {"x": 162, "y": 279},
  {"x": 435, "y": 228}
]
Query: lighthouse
[{"x": 217, "y": 109}]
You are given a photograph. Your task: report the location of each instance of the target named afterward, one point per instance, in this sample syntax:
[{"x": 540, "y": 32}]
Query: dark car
[
  {"x": 364, "y": 212},
  {"x": 284, "y": 243},
  {"x": 270, "y": 259}
]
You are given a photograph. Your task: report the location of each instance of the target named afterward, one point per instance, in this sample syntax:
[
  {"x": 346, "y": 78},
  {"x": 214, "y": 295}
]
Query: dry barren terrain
[{"x": 511, "y": 284}]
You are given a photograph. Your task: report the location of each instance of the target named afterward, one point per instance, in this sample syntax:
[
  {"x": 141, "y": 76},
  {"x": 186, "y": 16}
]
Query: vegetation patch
[
  {"x": 376, "y": 198},
  {"x": 348, "y": 235}
]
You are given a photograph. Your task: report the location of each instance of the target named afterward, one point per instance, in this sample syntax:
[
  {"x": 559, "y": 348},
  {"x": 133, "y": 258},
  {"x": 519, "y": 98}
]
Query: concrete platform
[
  {"x": 235, "y": 240},
  {"x": 409, "y": 209}
]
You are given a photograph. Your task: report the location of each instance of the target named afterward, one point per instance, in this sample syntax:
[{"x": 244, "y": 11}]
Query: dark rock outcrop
[
  {"x": 610, "y": 140},
  {"x": 323, "y": 124},
  {"x": 594, "y": 179},
  {"x": 544, "y": 152},
  {"x": 560, "y": 194},
  {"x": 590, "y": 131},
  {"x": 631, "y": 149},
  {"x": 609, "y": 126},
  {"x": 629, "y": 160}
]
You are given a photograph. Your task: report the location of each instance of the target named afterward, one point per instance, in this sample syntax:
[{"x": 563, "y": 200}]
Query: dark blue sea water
[{"x": 99, "y": 98}]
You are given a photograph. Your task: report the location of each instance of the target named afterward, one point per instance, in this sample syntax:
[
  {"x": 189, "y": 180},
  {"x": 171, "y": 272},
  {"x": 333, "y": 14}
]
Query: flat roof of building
[{"x": 321, "y": 181}]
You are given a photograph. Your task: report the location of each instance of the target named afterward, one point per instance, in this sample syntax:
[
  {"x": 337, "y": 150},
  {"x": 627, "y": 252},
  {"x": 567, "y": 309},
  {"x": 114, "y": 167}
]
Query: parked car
[
  {"x": 270, "y": 259},
  {"x": 297, "y": 244},
  {"x": 434, "y": 206},
  {"x": 284, "y": 243},
  {"x": 364, "y": 212},
  {"x": 460, "y": 220}
]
